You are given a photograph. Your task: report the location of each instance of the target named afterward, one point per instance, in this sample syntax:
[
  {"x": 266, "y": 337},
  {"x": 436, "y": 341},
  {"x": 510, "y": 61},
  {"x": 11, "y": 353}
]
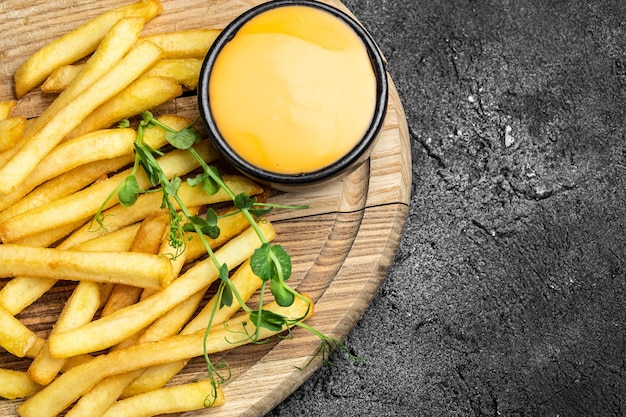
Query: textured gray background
[{"x": 507, "y": 294}]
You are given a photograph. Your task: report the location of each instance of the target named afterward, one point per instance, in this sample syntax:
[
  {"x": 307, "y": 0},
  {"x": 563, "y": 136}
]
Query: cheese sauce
[{"x": 293, "y": 91}]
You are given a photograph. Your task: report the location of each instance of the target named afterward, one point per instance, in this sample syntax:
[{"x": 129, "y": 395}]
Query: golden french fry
[
  {"x": 6, "y": 155},
  {"x": 141, "y": 95},
  {"x": 177, "y": 399},
  {"x": 112, "y": 329},
  {"x": 186, "y": 71},
  {"x": 95, "y": 146},
  {"x": 141, "y": 57},
  {"x": 87, "y": 202},
  {"x": 21, "y": 292},
  {"x": 68, "y": 387},
  {"x": 16, "y": 338},
  {"x": 118, "y": 267},
  {"x": 6, "y": 108},
  {"x": 79, "y": 309},
  {"x": 61, "y": 78},
  {"x": 16, "y": 384},
  {"x": 246, "y": 282},
  {"x": 76, "y": 44},
  {"x": 192, "y": 43},
  {"x": 11, "y": 130}
]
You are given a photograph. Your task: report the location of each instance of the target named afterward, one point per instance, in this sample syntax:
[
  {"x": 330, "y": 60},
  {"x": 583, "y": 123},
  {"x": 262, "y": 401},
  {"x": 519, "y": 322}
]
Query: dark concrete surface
[{"x": 508, "y": 292}]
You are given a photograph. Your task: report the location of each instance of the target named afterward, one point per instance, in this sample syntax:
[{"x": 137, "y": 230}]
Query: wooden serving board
[{"x": 341, "y": 246}]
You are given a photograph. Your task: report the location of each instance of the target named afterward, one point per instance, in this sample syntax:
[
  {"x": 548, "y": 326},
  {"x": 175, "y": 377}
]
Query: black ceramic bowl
[{"x": 306, "y": 180}]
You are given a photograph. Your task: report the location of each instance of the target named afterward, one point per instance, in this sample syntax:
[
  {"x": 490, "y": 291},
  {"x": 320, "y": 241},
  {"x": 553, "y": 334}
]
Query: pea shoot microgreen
[{"x": 270, "y": 262}]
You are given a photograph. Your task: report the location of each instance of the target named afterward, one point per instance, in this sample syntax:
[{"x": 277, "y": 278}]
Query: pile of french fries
[{"x": 136, "y": 315}]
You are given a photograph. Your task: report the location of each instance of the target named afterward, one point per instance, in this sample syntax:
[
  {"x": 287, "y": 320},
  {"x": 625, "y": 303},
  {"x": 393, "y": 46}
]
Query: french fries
[
  {"x": 116, "y": 43},
  {"x": 140, "y": 58},
  {"x": 185, "y": 71},
  {"x": 137, "y": 288},
  {"x": 77, "y": 44},
  {"x": 112, "y": 329},
  {"x": 81, "y": 176},
  {"x": 76, "y": 381},
  {"x": 87, "y": 202},
  {"x": 157, "y": 376},
  {"x": 96, "y": 146}
]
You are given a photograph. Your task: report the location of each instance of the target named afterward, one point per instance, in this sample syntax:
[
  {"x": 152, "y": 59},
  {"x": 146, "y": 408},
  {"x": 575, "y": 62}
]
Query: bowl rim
[{"x": 345, "y": 163}]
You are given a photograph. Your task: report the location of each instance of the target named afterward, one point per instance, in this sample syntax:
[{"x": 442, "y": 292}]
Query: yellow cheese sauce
[{"x": 293, "y": 91}]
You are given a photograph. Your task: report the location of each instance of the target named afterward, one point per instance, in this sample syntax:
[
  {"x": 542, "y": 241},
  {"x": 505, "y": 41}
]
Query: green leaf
[
  {"x": 227, "y": 297},
  {"x": 129, "y": 192},
  {"x": 146, "y": 118},
  {"x": 208, "y": 228},
  {"x": 224, "y": 272},
  {"x": 243, "y": 201},
  {"x": 260, "y": 262},
  {"x": 284, "y": 259},
  {"x": 269, "y": 320},
  {"x": 192, "y": 182},
  {"x": 124, "y": 123},
  {"x": 281, "y": 294},
  {"x": 183, "y": 139},
  {"x": 211, "y": 217},
  {"x": 208, "y": 184}
]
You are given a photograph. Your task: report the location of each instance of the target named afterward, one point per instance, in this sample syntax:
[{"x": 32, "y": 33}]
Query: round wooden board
[{"x": 341, "y": 246}]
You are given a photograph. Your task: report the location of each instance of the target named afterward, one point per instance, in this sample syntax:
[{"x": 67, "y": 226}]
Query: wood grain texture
[{"x": 341, "y": 246}]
